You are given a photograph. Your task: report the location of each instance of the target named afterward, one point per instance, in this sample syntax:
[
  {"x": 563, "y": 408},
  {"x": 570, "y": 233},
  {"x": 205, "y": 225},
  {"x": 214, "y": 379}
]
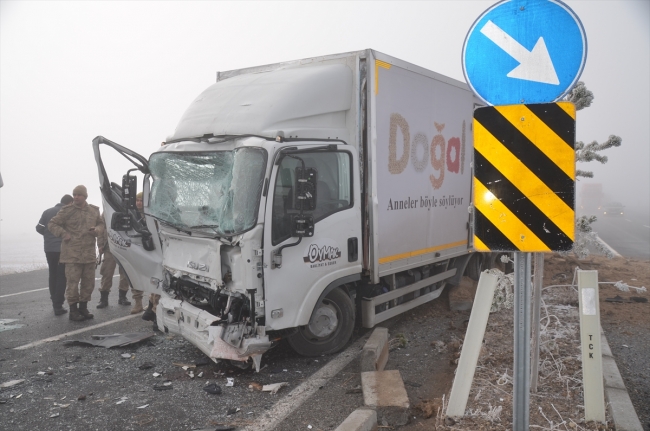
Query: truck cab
[{"x": 281, "y": 205}]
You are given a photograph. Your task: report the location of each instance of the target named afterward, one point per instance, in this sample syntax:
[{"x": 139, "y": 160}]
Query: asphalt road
[
  {"x": 80, "y": 388},
  {"x": 629, "y": 234}
]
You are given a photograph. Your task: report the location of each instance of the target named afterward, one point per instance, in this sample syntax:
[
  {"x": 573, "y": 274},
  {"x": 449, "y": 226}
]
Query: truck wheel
[{"x": 329, "y": 328}]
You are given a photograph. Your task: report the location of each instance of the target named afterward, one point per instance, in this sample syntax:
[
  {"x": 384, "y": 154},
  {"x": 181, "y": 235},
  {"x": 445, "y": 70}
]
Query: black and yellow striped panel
[{"x": 524, "y": 177}]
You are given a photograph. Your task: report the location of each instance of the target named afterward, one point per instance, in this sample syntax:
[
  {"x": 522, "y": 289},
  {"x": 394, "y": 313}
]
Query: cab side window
[{"x": 333, "y": 188}]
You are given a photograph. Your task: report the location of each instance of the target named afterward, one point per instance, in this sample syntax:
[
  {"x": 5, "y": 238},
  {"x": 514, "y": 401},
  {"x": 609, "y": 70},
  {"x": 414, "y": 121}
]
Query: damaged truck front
[{"x": 292, "y": 196}]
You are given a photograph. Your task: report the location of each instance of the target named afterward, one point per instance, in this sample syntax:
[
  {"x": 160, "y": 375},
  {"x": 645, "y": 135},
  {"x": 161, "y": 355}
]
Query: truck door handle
[{"x": 353, "y": 249}]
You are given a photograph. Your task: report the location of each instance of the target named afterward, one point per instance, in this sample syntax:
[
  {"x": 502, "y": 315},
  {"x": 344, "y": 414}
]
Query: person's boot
[
  {"x": 137, "y": 307},
  {"x": 122, "y": 299},
  {"x": 149, "y": 314},
  {"x": 83, "y": 310},
  {"x": 103, "y": 301},
  {"x": 59, "y": 310},
  {"x": 74, "y": 314}
]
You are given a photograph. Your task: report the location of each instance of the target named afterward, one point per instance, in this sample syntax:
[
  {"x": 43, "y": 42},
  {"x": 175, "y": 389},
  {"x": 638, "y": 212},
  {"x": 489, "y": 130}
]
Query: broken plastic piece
[
  {"x": 11, "y": 383},
  {"x": 203, "y": 361},
  {"x": 184, "y": 366},
  {"x": 114, "y": 340},
  {"x": 274, "y": 387},
  {"x": 231, "y": 381},
  {"x": 212, "y": 388},
  {"x": 617, "y": 298}
]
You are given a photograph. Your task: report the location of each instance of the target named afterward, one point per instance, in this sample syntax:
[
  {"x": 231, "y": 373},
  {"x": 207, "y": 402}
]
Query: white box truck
[{"x": 294, "y": 197}]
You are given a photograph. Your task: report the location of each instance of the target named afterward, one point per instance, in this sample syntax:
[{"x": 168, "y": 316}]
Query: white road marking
[
  {"x": 272, "y": 418},
  {"x": 20, "y": 293},
  {"x": 37, "y": 290},
  {"x": 78, "y": 331}
]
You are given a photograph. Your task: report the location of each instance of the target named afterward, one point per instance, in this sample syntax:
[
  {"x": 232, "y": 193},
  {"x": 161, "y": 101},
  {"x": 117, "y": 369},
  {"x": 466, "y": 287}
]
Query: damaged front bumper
[{"x": 207, "y": 332}]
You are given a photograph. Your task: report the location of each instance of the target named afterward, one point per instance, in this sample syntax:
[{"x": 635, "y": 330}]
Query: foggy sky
[{"x": 70, "y": 71}]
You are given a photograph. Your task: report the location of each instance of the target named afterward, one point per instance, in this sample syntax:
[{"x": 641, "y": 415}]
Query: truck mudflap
[{"x": 198, "y": 327}]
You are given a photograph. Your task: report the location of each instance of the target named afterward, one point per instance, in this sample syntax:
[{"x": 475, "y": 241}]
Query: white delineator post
[
  {"x": 472, "y": 345},
  {"x": 592, "y": 363}
]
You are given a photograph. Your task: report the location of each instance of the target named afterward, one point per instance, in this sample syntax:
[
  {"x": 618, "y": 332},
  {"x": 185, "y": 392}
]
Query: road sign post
[
  {"x": 526, "y": 54},
  {"x": 521, "y": 369}
]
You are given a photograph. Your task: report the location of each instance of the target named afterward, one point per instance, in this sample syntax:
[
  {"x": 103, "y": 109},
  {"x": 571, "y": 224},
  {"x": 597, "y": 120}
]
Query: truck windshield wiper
[
  {"x": 170, "y": 224},
  {"x": 207, "y": 226}
]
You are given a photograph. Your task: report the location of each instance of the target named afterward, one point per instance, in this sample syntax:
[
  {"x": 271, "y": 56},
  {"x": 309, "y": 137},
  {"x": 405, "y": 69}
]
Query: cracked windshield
[{"x": 216, "y": 191}]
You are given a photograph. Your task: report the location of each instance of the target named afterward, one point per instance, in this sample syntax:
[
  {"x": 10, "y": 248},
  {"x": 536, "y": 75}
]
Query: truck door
[
  {"x": 133, "y": 241},
  {"x": 309, "y": 265}
]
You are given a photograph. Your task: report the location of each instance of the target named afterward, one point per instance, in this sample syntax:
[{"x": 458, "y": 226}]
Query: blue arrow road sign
[{"x": 524, "y": 51}]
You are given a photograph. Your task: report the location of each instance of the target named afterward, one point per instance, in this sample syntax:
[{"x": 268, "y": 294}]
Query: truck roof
[{"x": 298, "y": 101}]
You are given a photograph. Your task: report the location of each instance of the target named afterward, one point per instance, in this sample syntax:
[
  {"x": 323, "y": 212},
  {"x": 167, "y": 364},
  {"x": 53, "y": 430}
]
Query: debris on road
[
  {"x": 11, "y": 383},
  {"x": 212, "y": 388},
  {"x": 184, "y": 366},
  {"x": 143, "y": 407},
  {"x": 112, "y": 340},
  {"x": 256, "y": 386},
  {"x": 274, "y": 387},
  {"x": 126, "y": 355},
  {"x": 146, "y": 366},
  {"x": 203, "y": 361},
  {"x": 231, "y": 381},
  {"x": 4, "y": 324}
]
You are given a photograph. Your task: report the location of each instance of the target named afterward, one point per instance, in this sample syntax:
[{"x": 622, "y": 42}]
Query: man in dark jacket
[{"x": 52, "y": 247}]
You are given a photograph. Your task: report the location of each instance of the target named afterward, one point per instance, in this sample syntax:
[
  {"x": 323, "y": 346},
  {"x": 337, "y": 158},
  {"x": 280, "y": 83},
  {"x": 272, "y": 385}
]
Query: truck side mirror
[
  {"x": 129, "y": 190},
  {"x": 306, "y": 180},
  {"x": 121, "y": 222},
  {"x": 302, "y": 225}
]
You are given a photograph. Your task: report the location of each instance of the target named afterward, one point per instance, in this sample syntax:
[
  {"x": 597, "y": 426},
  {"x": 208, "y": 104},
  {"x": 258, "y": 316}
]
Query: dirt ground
[{"x": 558, "y": 403}]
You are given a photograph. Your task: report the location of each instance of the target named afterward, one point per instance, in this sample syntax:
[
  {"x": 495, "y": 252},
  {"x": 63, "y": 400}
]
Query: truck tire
[
  {"x": 330, "y": 326},
  {"x": 473, "y": 270}
]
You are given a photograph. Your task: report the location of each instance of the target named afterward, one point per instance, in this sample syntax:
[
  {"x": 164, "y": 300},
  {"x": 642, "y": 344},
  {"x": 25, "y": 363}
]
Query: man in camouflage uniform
[
  {"x": 107, "y": 270},
  {"x": 78, "y": 225}
]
